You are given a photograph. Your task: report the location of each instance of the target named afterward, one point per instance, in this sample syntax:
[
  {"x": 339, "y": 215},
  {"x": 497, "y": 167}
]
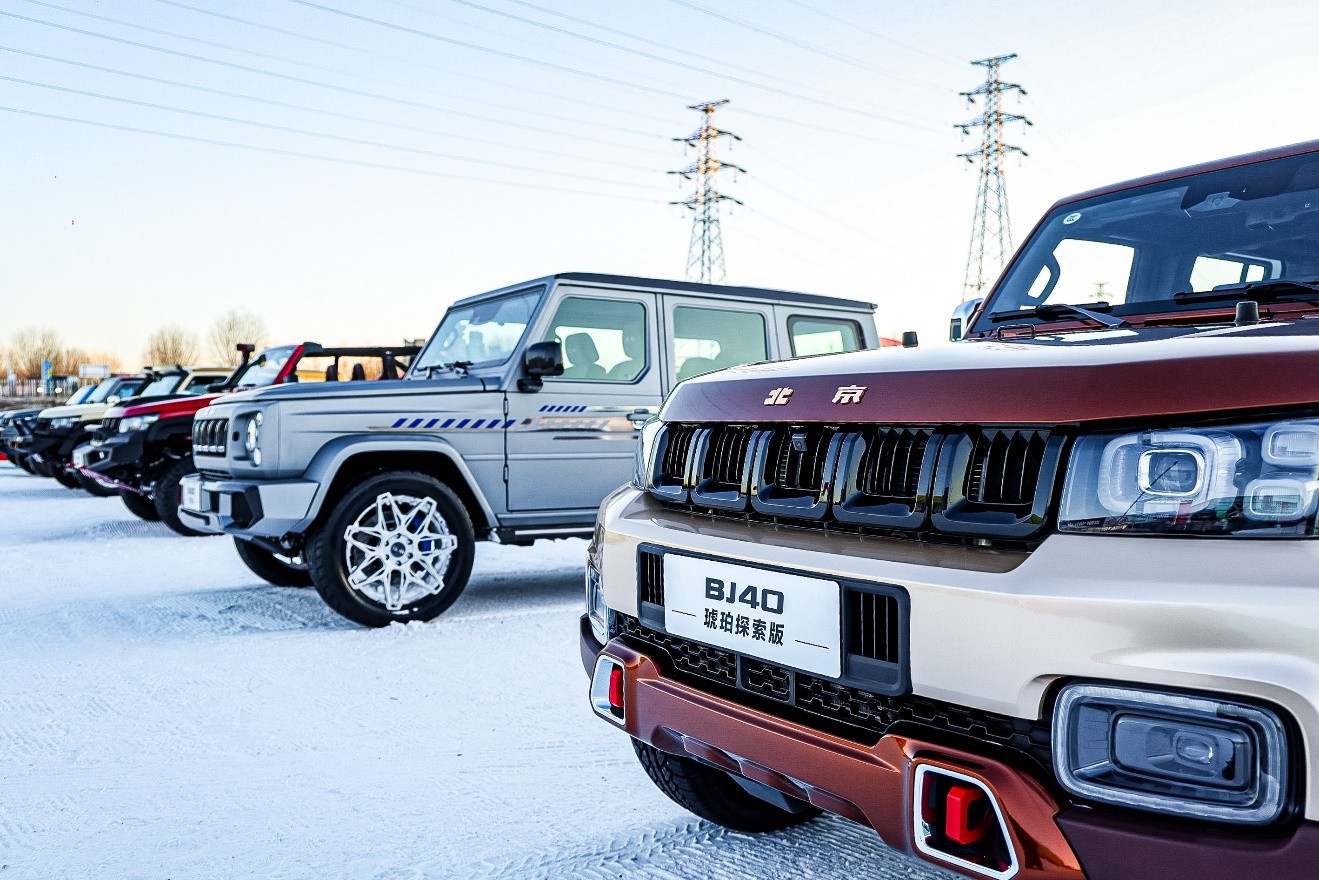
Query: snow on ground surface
[{"x": 165, "y": 714}]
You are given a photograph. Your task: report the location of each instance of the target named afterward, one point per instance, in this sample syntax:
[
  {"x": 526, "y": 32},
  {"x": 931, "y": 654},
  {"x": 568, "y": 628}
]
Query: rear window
[
  {"x": 705, "y": 340},
  {"x": 823, "y": 335}
]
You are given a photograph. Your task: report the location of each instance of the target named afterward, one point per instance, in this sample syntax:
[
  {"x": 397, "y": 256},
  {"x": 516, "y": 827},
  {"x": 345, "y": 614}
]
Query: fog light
[
  {"x": 1170, "y": 753},
  {"x": 608, "y": 690},
  {"x": 596, "y": 610}
]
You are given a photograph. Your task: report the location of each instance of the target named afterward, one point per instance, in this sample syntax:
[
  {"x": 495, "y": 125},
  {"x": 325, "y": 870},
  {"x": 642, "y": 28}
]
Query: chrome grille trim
[{"x": 210, "y": 436}]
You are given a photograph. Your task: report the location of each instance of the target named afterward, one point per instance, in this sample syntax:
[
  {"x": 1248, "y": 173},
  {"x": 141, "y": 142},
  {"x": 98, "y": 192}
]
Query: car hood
[
  {"x": 1058, "y": 379},
  {"x": 166, "y": 406},
  {"x": 367, "y": 388},
  {"x": 82, "y": 411}
]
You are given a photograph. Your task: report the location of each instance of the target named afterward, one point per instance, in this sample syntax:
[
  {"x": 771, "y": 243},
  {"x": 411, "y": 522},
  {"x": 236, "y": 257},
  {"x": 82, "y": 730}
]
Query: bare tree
[
  {"x": 66, "y": 363},
  {"x": 30, "y": 346},
  {"x": 230, "y": 329},
  {"x": 170, "y": 344}
]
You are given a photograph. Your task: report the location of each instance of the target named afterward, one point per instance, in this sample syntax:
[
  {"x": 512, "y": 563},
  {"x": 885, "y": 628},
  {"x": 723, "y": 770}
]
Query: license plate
[
  {"x": 783, "y": 618},
  {"x": 80, "y": 458},
  {"x": 192, "y": 496}
]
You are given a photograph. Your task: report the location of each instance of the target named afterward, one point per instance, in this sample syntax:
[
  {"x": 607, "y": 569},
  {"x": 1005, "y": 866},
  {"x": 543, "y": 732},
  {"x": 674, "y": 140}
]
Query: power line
[
  {"x": 323, "y": 135},
  {"x": 674, "y": 62},
  {"x": 874, "y": 33},
  {"x": 298, "y": 79},
  {"x": 801, "y": 44},
  {"x": 549, "y": 65},
  {"x": 466, "y": 74},
  {"x": 705, "y": 252},
  {"x": 322, "y": 158},
  {"x": 992, "y": 228},
  {"x": 356, "y": 75},
  {"x": 331, "y": 113}
]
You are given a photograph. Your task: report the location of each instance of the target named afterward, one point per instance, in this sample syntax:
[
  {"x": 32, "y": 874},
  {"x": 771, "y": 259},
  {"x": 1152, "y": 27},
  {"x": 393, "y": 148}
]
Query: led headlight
[
  {"x": 252, "y": 438},
  {"x": 137, "y": 423},
  {"x": 1198, "y": 757},
  {"x": 650, "y": 432},
  {"x": 63, "y": 422},
  {"x": 1258, "y": 479},
  {"x": 596, "y": 610}
]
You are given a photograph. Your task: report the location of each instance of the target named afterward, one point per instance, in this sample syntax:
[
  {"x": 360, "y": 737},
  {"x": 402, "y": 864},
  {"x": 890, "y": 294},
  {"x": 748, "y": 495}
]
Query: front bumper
[
  {"x": 247, "y": 509},
  {"x": 874, "y": 785}
]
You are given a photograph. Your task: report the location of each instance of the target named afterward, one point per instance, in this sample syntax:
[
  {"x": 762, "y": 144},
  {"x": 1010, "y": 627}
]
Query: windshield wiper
[
  {"x": 455, "y": 367},
  {"x": 1052, "y": 311},
  {"x": 1257, "y": 291}
]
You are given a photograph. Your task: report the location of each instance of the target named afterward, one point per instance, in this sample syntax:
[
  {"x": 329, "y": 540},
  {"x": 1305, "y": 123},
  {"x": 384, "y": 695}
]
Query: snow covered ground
[{"x": 163, "y": 714}]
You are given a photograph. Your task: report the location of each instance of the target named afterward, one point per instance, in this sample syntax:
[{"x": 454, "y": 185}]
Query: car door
[{"x": 572, "y": 442}]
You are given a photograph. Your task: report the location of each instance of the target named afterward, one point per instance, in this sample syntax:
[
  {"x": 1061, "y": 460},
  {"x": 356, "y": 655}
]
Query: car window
[
  {"x": 604, "y": 340},
  {"x": 340, "y": 368},
  {"x": 1083, "y": 271},
  {"x": 823, "y": 335},
  {"x": 1210, "y": 272},
  {"x": 705, "y": 340},
  {"x": 201, "y": 383}
]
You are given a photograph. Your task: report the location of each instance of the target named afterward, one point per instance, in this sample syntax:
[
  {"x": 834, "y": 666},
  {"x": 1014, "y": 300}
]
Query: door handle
[{"x": 640, "y": 416}]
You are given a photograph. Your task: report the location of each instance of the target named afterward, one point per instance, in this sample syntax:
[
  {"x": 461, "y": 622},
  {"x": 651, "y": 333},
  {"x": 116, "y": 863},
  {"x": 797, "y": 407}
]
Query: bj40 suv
[
  {"x": 517, "y": 419},
  {"x": 1039, "y": 604}
]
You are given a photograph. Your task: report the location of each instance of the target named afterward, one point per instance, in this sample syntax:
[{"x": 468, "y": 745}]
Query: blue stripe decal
[
  {"x": 400, "y": 423},
  {"x": 447, "y": 423},
  {"x": 415, "y": 423},
  {"x": 431, "y": 424},
  {"x": 476, "y": 424},
  {"x": 462, "y": 424}
]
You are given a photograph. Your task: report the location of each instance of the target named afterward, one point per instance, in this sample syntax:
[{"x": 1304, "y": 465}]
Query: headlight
[
  {"x": 252, "y": 438},
  {"x": 61, "y": 423},
  {"x": 1258, "y": 480},
  {"x": 137, "y": 423},
  {"x": 645, "y": 452},
  {"x": 596, "y": 610},
  {"x": 1194, "y": 756}
]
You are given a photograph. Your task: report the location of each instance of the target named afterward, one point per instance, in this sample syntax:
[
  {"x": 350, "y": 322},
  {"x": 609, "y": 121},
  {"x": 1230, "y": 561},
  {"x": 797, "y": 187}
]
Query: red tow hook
[{"x": 967, "y": 814}]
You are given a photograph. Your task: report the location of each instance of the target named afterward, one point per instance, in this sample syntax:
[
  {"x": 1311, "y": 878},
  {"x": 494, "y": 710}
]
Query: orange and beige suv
[{"x": 1041, "y": 603}]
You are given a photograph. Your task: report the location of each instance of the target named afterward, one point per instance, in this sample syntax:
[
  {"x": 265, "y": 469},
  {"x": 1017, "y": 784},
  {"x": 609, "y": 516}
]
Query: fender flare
[{"x": 330, "y": 458}]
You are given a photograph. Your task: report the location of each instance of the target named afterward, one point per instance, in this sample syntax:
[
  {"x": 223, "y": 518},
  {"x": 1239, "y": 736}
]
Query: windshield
[
  {"x": 164, "y": 385},
  {"x": 81, "y": 395},
  {"x": 482, "y": 333},
  {"x": 263, "y": 369},
  {"x": 1134, "y": 250},
  {"x": 107, "y": 387}
]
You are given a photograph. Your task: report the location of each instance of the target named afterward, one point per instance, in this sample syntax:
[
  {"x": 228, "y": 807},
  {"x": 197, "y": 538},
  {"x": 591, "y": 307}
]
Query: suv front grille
[
  {"x": 904, "y": 481},
  {"x": 830, "y": 705},
  {"x": 210, "y": 436}
]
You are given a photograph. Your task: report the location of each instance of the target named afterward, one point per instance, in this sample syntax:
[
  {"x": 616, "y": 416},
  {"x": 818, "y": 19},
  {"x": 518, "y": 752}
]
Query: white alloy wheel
[{"x": 397, "y": 551}]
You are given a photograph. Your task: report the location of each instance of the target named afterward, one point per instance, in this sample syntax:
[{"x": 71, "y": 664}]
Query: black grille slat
[
  {"x": 673, "y": 466},
  {"x": 890, "y": 468},
  {"x": 210, "y": 436},
  {"x": 726, "y": 457},
  {"x": 873, "y": 625},
  {"x": 799, "y": 470},
  {"x": 1005, "y": 467},
  {"x": 812, "y": 698}
]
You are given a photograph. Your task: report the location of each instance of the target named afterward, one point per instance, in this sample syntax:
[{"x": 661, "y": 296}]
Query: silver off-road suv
[{"x": 515, "y": 421}]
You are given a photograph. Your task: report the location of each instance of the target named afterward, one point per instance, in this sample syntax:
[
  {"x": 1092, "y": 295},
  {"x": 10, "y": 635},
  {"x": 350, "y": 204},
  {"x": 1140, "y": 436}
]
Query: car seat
[
  {"x": 580, "y": 351},
  {"x": 696, "y": 367},
  {"x": 359, "y": 373},
  {"x": 634, "y": 346},
  {"x": 332, "y": 373}
]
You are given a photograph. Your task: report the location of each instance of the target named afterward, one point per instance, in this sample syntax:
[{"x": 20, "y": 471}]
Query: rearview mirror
[
  {"x": 539, "y": 360},
  {"x": 961, "y": 319}
]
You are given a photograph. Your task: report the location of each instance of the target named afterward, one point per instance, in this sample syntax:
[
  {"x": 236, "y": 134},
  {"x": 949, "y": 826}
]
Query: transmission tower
[
  {"x": 991, "y": 233},
  {"x": 705, "y": 254}
]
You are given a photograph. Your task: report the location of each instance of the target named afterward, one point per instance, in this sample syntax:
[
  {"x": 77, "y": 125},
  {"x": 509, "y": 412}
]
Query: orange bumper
[{"x": 872, "y": 785}]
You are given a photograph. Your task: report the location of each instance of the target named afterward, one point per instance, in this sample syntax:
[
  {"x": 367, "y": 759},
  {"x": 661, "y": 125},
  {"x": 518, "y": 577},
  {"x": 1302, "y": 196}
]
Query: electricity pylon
[
  {"x": 991, "y": 233},
  {"x": 705, "y": 253}
]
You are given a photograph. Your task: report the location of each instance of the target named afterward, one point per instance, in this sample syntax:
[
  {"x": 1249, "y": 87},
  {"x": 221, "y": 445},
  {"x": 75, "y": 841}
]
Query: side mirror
[
  {"x": 539, "y": 360},
  {"x": 113, "y": 399},
  {"x": 961, "y": 319}
]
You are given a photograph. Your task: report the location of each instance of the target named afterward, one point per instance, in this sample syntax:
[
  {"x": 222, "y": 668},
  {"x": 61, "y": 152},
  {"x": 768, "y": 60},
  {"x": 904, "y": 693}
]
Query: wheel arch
[{"x": 337, "y": 470}]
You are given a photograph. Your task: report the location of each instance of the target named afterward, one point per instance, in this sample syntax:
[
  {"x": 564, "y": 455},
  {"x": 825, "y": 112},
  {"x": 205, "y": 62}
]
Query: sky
[{"x": 347, "y": 168}]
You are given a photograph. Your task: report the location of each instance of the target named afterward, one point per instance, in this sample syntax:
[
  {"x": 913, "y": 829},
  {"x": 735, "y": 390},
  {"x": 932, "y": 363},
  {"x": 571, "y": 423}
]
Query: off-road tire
[
  {"x": 712, "y": 794},
  {"x": 167, "y": 497},
  {"x": 65, "y": 478},
  {"x": 94, "y": 487},
  {"x": 21, "y": 461},
  {"x": 325, "y": 550},
  {"x": 140, "y": 506},
  {"x": 39, "y": 468},
  {"x": 269, "y": 567}
]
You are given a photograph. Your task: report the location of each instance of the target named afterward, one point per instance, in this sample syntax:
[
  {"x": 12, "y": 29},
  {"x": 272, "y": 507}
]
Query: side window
[
  {"x": 1081, "y": 271},
  {"x": 823, "y": 335},
  {"x": 604, "y": 340},
  {"x": 1211, "y": 272},
  {"x": 201, "y": 383},
  {"x": 705, "y": 340}
]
